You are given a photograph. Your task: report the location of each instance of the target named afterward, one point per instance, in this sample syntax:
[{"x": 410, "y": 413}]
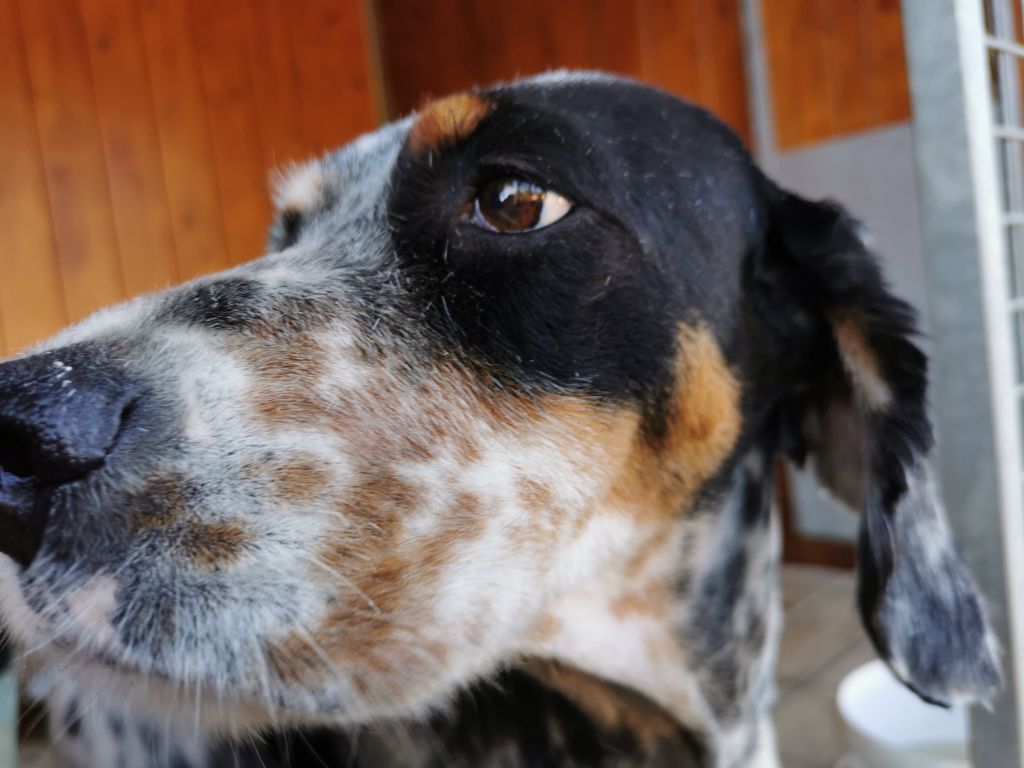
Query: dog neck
[
  {"x": 691, "y": 620},
  {"x": 536, "y": 713}
]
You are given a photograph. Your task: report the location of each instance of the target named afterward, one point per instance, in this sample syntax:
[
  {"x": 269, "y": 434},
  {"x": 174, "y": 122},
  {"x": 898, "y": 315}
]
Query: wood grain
[
  {"x": 835, "y": 67},
  {"x": 185, "y": 145},
  {"x": 31, "y": 291},
  {"x": 275, "y": 82},
  {"x": 847, "y": 29},
  {"x": 131, "y": 144},
  {"x": 692, "y": 48},
  {"x": 221, "y": 33},
  {"x": 72, "y": 155},
  {"x": 887, "y": 65},
  {"x": 336, "y": 88},
  {"x": 137, "y": 138}
]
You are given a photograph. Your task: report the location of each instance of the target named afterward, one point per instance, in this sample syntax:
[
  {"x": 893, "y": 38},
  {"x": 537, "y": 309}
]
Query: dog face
[{"x": 506, "y": 348}]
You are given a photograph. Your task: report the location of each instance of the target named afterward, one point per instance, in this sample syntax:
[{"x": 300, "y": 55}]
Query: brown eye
[{"x": 515, "y": 205}]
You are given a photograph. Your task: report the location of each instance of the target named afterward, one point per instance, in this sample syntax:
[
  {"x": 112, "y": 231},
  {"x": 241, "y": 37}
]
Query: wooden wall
[
  {"x": 690, "y": 47},
  {"x": 136, "y": 138},
  {"x": 136, "y": 135},
  {"x": 835, "y": 66}
]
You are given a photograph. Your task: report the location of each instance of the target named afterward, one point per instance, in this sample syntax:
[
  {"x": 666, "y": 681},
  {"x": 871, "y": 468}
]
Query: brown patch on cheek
[
  {"x": 660, "y": 479},
  {"x": 461, "y": 524},
  {"x": 374, "y": 627},
  {"x": 214, "y": 545},
  {"x": 705, "y": 410},
  {"x": 162, "y": 508},
  {"x": 159, "y": 505},
  {"x": 359, "y": 623},
  {"x": 445, "y": 121},
  {"x": 300, "y": 479},
  {"x": 546, "y": 629},
  {"x": 285, "y": 371},
  {"x": 649, "y": 601},
  {"x": 536, "y": 497}
]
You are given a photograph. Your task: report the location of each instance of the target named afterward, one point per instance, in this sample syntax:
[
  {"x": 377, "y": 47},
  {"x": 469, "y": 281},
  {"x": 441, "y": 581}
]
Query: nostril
[
  {"x": 123, "y": 420},
  {"x": 15, "y": 455}
]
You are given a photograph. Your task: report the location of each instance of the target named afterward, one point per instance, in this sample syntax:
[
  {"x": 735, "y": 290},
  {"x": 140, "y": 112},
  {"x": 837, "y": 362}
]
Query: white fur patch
[{"x": 298, "y": 187}]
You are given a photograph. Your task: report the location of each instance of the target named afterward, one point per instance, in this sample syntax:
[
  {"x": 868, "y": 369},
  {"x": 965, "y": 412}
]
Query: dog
[{"x": 474, "y": 467}]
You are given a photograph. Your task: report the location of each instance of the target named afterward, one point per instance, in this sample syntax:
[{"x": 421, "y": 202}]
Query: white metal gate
[{"x": 965, "y": 59}]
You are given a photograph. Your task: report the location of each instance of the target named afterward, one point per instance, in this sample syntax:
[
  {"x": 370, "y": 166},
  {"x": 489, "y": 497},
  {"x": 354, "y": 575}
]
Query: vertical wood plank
[
  {"x": 487, "y": 42},
  {"x": 274, "y": 81},
  {"x": 431, "y": 48},
  {"x": 615, "y": 29},
  {"x": 720, "y": 65},
  {"x": 796, "y": 38},
  {"x": 31, "y": 293},
  {"x": 557, "y": 34},
  {"x": 131, "y": 144},
  {"x": 405, "y": 29},
  {"x": 847, "y": 27},
  {"x": 184, "y": 138},
  {"x": 220, "y": 31},
  {"x": 337, "y": 101},
  {"x": 76, "y": 178},
  {"x": 668, "y": 42},
  {"x": 887, "y": 65}
]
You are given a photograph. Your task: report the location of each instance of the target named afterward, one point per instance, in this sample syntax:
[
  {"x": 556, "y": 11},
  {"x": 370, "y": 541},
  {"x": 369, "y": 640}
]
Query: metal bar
[
  {"x": 1007, "y": 92},
  {"x": 997, "y": 43},
  {"x": 759, "y": 99},
  {"x": 971, "y": 343},
  {"x": 1008, "y": 132}
]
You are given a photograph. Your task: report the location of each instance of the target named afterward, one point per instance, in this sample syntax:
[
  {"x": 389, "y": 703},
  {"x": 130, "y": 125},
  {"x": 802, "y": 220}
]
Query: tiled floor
[{"x": 823, "y": 640}]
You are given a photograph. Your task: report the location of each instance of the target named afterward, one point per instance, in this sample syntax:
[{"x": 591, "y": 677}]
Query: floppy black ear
[{"x": 856, "y": 409}]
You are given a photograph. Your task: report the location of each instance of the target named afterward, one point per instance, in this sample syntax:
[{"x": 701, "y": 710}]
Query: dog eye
[{"x": 515, "y": 205}]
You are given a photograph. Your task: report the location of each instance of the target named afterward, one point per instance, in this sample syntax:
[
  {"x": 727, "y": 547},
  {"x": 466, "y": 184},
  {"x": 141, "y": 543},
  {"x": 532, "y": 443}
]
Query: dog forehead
[{"x": 323, "y": 197}]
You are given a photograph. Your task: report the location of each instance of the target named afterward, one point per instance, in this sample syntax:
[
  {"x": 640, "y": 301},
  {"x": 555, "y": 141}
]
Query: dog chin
[{"x": 188, "y": 707}]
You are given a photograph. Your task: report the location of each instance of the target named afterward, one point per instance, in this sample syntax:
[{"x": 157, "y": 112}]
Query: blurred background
[{"x": 136, "y": 139}]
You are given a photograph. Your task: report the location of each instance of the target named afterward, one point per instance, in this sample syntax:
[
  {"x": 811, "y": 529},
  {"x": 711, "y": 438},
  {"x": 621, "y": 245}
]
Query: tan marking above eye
[
  {"x": 446, "y": 121},
  {"x": 512, "y": 205}
]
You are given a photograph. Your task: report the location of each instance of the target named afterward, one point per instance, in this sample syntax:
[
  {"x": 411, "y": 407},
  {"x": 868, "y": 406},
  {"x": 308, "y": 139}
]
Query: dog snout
[{"x": 60, "y": 415}]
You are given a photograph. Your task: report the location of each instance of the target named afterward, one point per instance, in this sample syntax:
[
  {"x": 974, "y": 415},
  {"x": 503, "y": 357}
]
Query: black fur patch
[
  {"x": 229, "y": 303},
  {"x": 514, "y": 721},
  {"x": 664, "y": 215}
]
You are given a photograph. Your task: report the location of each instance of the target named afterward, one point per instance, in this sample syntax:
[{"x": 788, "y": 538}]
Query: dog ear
[
  {"x": 854, "y": 404},
  {"x": 297, "y": 191}
]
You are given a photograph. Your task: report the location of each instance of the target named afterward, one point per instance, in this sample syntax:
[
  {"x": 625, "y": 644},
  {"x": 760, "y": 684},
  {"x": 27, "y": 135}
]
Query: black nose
[{"x": 60, "y": 416}]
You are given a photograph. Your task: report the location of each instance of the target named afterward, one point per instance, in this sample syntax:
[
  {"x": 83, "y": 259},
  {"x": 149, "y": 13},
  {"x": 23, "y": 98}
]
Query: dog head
[{"x": 496, "y": 351}]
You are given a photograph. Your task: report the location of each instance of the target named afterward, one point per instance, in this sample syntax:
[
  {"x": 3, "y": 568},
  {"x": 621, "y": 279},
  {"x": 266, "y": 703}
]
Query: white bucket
[
  {"x": 8, "y": 719},
  {"x": 886, "y": 726}
]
